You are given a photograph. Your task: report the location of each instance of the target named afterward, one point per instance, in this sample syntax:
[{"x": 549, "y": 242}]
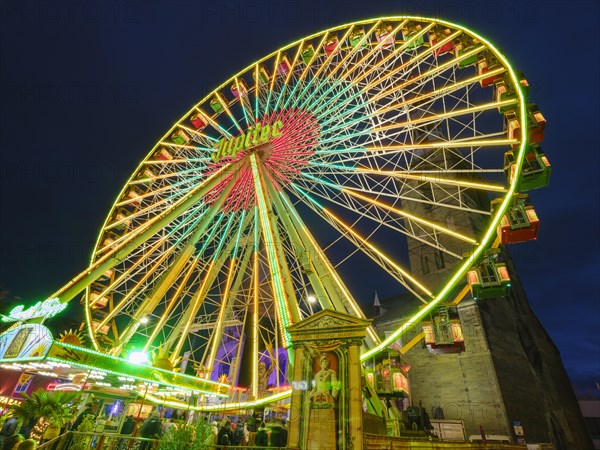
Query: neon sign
[
  {"x": 256, "y": 135},
  {"x": 46, "y": 309}
]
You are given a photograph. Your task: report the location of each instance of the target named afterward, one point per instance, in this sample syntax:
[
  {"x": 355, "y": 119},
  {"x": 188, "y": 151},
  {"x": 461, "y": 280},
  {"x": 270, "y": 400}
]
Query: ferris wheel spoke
[
  {"x": 285, "y": 315},
  {"x": 415, "y": 228},
  {"x": 166, "y": 176},
  {"x": 466, "y": 143},
  {"x": 225, "y": 107},
  {"x": 247, "y": 112},
  {"x": 429, "y": 73},
  {"x": 206, "y": 220},
  {"x": 408, "y": 216},
  {"x": 325, "y": 64},
  {"x": 166, "y": 280},
  {"x": 144, "y": 255},
  {"x": 272, "y": 81},
  {"x": 140, "y": 214},
  {"x": 438, "y": 93},
  {"x": 126, "y": 244},
  {"x": 238, "y": 271},
  {"x": 209, "y": 120},
  {"x": 341, "y": 297},
  {"x": 222, "y": 253},
  {"x": 435, "y": 177},
  {"x": 372, "y": 53},
  {"x": 176, "y": 298},
  {"x": 433, "y": 118},
  {"x": 178, "y": 188},
  {"x": 364, "y": 61},
  {"x": 422, "y": 99},
  {"x": 424, "y": 120},
  {"x": 299, "y": 80},
  {"x": 400, "y": 195},
  {"x": 375, "y": 67},
  {"x": 399, "y": 273},
  {"x": 137, "y": 288},
  {"x": 333, "y": 68},
  {"x": 282, "y": 92}
]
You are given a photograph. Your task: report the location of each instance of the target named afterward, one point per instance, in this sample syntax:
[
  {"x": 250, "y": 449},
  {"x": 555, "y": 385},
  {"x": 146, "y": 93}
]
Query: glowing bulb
[
  {"x": 138, "y": 357},
  {"x": 144, "y": 320},
  {"x": 311, "y": 298}
]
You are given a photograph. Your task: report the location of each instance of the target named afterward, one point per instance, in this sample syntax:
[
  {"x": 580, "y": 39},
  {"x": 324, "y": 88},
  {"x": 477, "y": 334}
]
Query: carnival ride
[{"x": 379, "y": 130}]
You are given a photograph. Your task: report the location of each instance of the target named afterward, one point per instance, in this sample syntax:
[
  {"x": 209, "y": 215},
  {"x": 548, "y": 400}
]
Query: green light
[
  {"x": 239, "y": 234},
  {"x": 46, "y": 309},
  {"x": 303, "y": 193},
  {"x": 269, "y": 240}
]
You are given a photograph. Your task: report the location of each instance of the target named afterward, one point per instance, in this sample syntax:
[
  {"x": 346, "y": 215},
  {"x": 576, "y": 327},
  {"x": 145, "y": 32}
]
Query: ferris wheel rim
[{"x": 491, "y": 227}]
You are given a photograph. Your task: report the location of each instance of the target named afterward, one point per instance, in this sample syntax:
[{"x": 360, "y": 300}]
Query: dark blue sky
[{"x": 87, "y": 88}]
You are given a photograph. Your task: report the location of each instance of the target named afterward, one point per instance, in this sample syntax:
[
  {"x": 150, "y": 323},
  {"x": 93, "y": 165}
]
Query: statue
[
  {"x": 322, "y": 418},
  {"x": 263, "y": 376},
  {"x": 326, "y": 387}
]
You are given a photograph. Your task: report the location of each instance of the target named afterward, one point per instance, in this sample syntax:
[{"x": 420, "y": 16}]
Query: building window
[
  {"x": 439, "y": 260},
  {"x": 424, "y": 265},
  {"x": 426, "y": 195}
]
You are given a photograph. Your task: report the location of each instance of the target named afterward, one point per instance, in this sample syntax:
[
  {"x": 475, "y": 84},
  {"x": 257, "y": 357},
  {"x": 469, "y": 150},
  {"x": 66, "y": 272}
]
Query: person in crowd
[
  {"x": 214, "y": 433},
  {"x": 225, "y": 435},
  {"x": 245, "y": 434},
  {"x": 251, "y": 426},
  {"x": 238, "y": 433},
  {"x": 168, "y": 426},
  {"x": 10, "y": 426},
  {"x": 12, "y": 442},
  {"x": 151, "y": 429},
  {"x": 278, "y": 434},
  {"x": 8, "y": 429},
  {"x": 27, "y": 444},
  {"x": 128, "y": 425},
  {"x": 262, "y": 437}
]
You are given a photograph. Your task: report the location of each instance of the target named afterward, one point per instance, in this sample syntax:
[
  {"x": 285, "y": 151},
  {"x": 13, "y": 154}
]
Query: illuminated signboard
[
  {"x": 256, "y": 135},
  {"x": 46, "y": 309}
]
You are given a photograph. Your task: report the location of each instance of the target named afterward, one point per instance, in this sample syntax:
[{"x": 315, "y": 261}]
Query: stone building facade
[{"x": 510, "y": 370}]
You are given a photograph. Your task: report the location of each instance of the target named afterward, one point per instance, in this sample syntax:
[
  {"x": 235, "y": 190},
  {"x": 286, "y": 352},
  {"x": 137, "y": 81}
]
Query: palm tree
[{"x": 46, "y": 408}]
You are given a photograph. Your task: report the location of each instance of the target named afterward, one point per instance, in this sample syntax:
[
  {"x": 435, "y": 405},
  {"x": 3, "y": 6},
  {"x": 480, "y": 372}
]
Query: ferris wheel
[{"x": 368, "y": 140}]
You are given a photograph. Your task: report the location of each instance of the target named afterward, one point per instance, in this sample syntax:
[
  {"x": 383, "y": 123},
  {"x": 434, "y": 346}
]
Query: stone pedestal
[{"x": 326, "y": 407}]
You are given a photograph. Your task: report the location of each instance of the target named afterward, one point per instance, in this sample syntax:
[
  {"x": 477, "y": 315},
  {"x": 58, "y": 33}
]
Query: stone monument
[{"x": 326, "y": 407}]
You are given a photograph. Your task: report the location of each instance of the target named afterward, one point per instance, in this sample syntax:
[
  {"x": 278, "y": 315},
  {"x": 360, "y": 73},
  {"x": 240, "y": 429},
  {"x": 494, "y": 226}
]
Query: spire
[
  {"x": 377, "y": 308},
  {"x": 376, "y": 303}
]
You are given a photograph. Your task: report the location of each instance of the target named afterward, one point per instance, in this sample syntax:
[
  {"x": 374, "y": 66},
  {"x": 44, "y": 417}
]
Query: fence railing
[{"x": 77, "y": 440}]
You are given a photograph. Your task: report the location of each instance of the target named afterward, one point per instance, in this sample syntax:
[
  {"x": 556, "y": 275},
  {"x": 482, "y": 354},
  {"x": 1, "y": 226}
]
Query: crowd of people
[
  {"x": 250, "y": 433},
  {"x": 222, "y": 433}
]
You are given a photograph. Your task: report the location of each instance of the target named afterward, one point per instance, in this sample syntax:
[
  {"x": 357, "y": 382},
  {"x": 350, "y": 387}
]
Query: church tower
[{"x": 506, "y": 372}]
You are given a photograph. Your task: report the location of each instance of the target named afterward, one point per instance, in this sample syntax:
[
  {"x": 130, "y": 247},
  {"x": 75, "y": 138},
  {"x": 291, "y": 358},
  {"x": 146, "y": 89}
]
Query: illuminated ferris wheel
[{"x": 368, "y": 139}]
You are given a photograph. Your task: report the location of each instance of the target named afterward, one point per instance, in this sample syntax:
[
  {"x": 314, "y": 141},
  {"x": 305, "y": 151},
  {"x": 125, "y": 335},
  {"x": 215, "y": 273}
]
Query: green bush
[{"x": 192, "y": 436}]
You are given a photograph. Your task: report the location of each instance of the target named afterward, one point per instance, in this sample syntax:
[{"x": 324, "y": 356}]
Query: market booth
[{"x": 30, "y": 358}]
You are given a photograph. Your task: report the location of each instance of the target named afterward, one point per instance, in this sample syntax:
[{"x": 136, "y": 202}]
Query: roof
[{"x": 398, "y": 306}]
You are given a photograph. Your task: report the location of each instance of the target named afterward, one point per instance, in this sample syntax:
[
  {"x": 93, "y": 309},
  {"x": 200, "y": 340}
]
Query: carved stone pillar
[
  {"x": 297, "y": 383},
  {"x": 355, "y": 423}
]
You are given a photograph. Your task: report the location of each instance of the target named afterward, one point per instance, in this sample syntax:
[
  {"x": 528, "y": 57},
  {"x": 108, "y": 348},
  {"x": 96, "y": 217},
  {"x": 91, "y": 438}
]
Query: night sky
[{"x": 87, "y": 88}]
